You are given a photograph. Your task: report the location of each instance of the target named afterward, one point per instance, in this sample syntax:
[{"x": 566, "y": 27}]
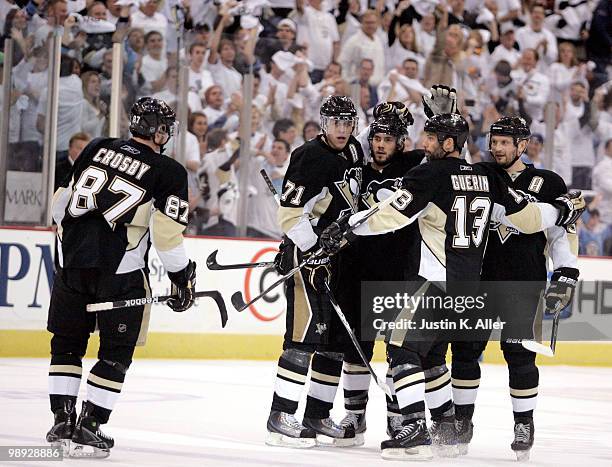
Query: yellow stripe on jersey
[{"x": 167, "y": 233}]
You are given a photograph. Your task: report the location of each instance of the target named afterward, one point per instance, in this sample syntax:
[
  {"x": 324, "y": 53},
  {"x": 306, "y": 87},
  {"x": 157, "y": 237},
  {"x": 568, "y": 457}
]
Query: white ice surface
[{"x": 213, "y": 413}]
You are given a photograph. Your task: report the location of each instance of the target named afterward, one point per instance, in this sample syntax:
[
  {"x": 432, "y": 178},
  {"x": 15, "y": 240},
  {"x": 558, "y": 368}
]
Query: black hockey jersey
[
  {"x": 512, "y": 255},
  {"x": 384, "y": 256},
  {"x": 121, "y": 194},
  {"x": 320, "y": 185},
  {"x": 453, "y": 203}
]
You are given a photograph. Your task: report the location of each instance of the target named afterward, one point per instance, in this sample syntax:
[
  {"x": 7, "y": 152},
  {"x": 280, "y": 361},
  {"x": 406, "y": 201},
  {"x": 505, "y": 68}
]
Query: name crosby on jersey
[
  {"x": 470, "y": 182},
  {"x": 121, "y": 162}
]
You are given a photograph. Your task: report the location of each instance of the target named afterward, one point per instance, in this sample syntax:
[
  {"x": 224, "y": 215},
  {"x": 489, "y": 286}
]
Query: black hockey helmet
[
  {"x": 516, "y": 127},
  {"x": 451, "y": 126},
  {"x": 397, "y": 108},
  {"x": 148, "y": 114},
  {"x": 338, "y": 108},
  {"x": 389, "y": 124}
]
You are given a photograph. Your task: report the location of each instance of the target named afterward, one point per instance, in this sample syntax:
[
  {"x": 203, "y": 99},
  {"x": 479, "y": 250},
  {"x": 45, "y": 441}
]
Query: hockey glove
[
  {"x": 183, "y": 288},
  {"x": 561, "y": 289},
  {"x": 317, "y": 271},
  {"x": 283, "y": 261},
  {"x": 571, "y": 206},
  {"x": 443, "y": 100},
  {"x": 331, "y": 240},
  {"x": 398, "y": 108}
]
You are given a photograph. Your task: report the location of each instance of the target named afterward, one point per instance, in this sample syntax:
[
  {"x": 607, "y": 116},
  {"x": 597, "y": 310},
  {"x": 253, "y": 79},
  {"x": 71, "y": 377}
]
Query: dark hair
[
  {"x": 308, "y": 124},
  {"x": 215, "y": 138},
  {"x": 411, "y": 60},
  {"x": 192, "y": 118},
  {"x": 281, "y": 125},
  {"x": 152, "y": 33},
  {"x": 285, "y": 143},
  {"x": 196, "y": 44},
  {"x": 337, "y": 64},
  {"x": 66, "y": 65},
  {"x": 8, "y": 22}
]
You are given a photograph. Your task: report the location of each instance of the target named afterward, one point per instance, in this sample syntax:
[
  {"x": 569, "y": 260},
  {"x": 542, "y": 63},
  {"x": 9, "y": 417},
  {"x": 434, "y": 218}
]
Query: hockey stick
[
  {"x": 381, "y": 384},
  {"x": 548, "y": 351},
  {"x": 238, "y": 300},
  {"x": 214, "y": 294},
  {"x": 211, "y": 263},
  {"x": 265, "y": 176}
]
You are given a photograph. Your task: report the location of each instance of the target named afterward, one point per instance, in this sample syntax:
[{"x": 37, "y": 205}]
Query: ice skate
[
  {"x": 394, "y": 425},
  {"x": 444, "y": 437},
  {"x": 331, "y": 434},
  {"x": 523, "y": 438},
  {"x": 285, "y": 430},
  {"x": 465, "y": 431},
  {"x": 88, "y": 440},
  {"x": 63, "y": 426},
  {"x": 358, "y": 423},
  {"x": 411, "y": 443}
]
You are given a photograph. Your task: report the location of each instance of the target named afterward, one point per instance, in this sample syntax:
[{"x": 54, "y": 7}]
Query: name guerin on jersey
[
  {"x": 121, "y": 162},
  {"x": 470, "y": 182}
]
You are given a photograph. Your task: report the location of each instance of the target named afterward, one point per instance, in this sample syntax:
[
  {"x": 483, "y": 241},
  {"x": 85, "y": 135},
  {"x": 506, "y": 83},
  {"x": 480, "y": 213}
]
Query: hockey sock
[
  {"x": 104, "y": 386},
  {"x": 409, "y": 382},
  {"x": 290, "y": 379},
  {"x": 356, "y": 382},
  {"x": 324, "y": 380},
  {"x": 64, "y": 379},
  {"x": 523, "y": 378},
  {"x": 392, "y": 405},
  {"x": 465, "y": 382},
  {"x": 438, "y": 390}
]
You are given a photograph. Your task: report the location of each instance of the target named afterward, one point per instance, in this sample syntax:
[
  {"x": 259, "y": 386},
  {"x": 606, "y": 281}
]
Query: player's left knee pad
[
  {"x": 522, "y": 368},
  {"x": 63, "y": 345},
  {"x": 119, "y": 354}
]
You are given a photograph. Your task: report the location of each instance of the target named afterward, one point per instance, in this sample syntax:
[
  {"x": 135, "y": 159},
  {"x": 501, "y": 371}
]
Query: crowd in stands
[{"x": 506, "y": 57}]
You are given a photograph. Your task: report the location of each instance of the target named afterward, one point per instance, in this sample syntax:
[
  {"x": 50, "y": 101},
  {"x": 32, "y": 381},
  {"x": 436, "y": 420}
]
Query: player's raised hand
[
  {"x": 571, "y": 206},
  {"x": 443, "y": 100}
]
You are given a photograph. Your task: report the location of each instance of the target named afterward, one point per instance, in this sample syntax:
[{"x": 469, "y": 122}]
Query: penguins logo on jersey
[
  {"x": 349, "y": 188},
  {"x": 377, "y": 191},
  {"x": 503, "y": 231}
]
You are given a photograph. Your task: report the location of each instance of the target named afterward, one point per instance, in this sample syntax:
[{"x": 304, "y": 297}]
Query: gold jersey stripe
[
  {"x": 75, "y": 370},
  {"x": 406, "y": 380},
  {"x": 466, "y": 383},
  {"x": 292, "y": 375},
  {"x": 324, "y": 377},
  {"x": 105, "y": 382},
  {"x": 524, "y": 392},
  {"x": 442, "y": 379}
]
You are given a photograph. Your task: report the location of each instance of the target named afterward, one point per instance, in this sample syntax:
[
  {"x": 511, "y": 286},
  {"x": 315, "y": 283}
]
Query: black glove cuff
[
  {"x": 566, "y": 275},
  {"x": 182, "y": 277}
]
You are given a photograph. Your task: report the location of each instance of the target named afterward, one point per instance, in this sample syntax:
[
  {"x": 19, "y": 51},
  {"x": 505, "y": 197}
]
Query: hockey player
[
  {"x": 515, "y": 256},
  {"x": 454, "y": 202},
  {"x": 122, "y": 195},
  {"x": 389, "y": 163},
  {"x": 321, "y": 184}
]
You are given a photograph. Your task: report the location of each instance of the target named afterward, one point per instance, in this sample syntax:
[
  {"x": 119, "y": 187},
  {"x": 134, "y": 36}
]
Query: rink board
[{"x": 26, "y": 265}]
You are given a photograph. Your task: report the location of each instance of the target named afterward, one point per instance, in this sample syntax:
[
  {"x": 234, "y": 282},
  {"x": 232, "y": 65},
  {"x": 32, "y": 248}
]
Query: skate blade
[
  {"x": 445, "y": 450},
  {"x": 418, "y": 453},
  {"x": 82, "y": 451},
  {"x": 462, "y": 449},
  {"x": 280, "y": 440},
  {"x": 359, "y": 439},
  {"x": 522, "y": 456},
  {"x": 64, "y": 444},
  {"x": 328, "y": 441}
]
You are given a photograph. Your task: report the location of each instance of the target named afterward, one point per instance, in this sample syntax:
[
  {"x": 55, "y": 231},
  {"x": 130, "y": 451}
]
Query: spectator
[
  {"x": 533, "y": 87},
  {"x": 402, "y": 84},
  {"x": 593, "y": 235},
  {"x": 149, "y": 19},
  {"x": 15, "y": 27},
  {"x": 284, "y": 129},
  {"x": 219, "y": 115},
  {"x": 94, "y": 110},
  {"x": 365, "y": 72},
  {"x": 426, "y": 34},
  {"x": 564, "y": 71},
  {"x": 99, "y": 34},
  {"x": 5, "y": 8},
  {"x": 225, "y": 221},
  {"x": 284, "y": 40},
  {"x": 169, "y": 92},
  {"x": 599, "y": 41},
  {"x": 63, "y": 168},
  {"x": 154, "y": 63},
  {"x": 70, "y": 107},
  {"x": 535, "y": 36},
  {"x": 580, "y": 135},
  {"x": 311, "y": 130},
  {"x": 198, "y": 125},
  {"x": 200, "y": 79},
  {"x": 402, "y": 48},
  {"x": 506, "y": 50},
  {"x": 602, "y": 183},
  {"x": 221, "y": 59},
  {"x": 318, "y": 30},
  {"x": 365, "y": 43},
  {"x": 134, "y": 48},
  {"x": 533, "y": 153},
  {"x": 56, "y": 13}
]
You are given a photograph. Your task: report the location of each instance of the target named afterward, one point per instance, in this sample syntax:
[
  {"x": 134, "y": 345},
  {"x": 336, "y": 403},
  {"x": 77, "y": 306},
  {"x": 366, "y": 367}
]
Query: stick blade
[
  {"x": 238, "y": 301},
  {"x": 538, "y": 348},
  {"x": 211, "y": 261}
]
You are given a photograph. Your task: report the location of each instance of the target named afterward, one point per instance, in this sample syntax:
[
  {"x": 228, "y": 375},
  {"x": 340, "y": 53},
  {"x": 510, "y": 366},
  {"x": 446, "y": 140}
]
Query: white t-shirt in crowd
[
  {"x": 228, "y": 78},
  {"x": 319, "y": 30},
  {"x": 151, "y": 69}
]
